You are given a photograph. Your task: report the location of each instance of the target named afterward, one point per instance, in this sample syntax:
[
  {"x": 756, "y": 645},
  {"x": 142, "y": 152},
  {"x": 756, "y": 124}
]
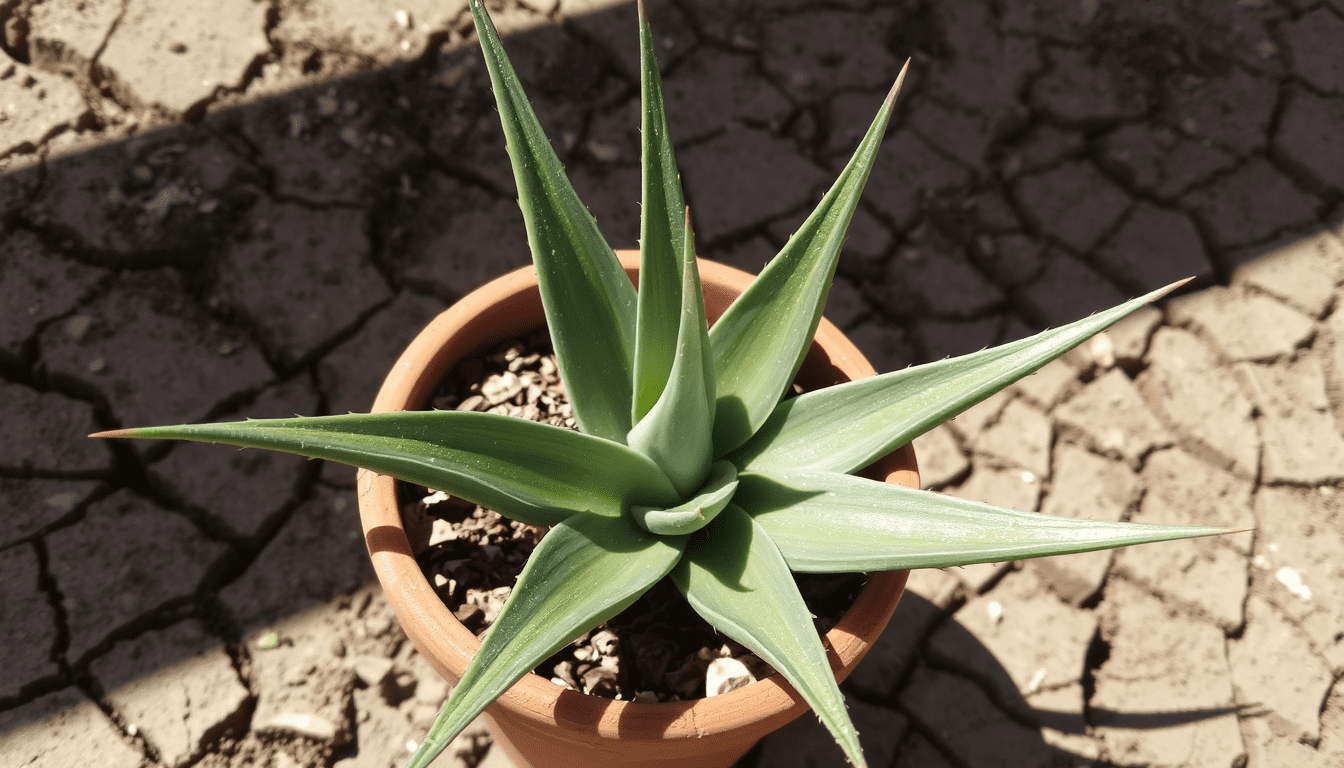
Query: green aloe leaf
[
  {"x": 677, "y": 432},
  {"x": 761, "y": 340},
  {"x": 589, "y": 300},
  {"x": 846, "y": 427},
  {"x": 733, "y": 575},
  {"x": 585, "y": 571},
  {"x": 662, "y": 235},
  {"x": 534, "y": 473},
  {"x": 690, "y": 516},
  {"x": 831, "y": 523}
]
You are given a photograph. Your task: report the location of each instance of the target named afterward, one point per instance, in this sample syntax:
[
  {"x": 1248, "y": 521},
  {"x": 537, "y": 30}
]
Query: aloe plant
[{"x": 687, "y": 462}]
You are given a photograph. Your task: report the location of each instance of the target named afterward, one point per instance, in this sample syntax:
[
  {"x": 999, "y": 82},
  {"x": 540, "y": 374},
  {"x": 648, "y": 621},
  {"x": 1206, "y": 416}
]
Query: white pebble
[
  {"x": 1293, "y": 581},
  {"x": 726, "y": 674},
  {"x": 995, "y": 611}
]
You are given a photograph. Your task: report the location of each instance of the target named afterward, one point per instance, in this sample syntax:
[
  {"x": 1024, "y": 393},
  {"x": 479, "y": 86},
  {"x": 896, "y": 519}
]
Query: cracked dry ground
[{"x": 227, "y": 209}]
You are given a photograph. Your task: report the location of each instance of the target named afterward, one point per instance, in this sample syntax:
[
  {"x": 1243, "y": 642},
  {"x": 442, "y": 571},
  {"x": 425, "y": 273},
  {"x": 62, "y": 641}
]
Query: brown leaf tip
[{"x": 896, "y": 87}]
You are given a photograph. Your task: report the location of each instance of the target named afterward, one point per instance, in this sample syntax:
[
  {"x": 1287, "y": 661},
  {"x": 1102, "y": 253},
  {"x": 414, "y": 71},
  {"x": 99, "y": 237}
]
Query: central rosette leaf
[{"x": 695, "y": 513}]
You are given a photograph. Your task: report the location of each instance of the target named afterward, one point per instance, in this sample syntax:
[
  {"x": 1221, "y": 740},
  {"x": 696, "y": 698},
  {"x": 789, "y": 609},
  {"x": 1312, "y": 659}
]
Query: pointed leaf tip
[
  {"x": 896, "y": 86},
  {"x": 1166, "y": 289},
  {"x": 109, "y": 434}
]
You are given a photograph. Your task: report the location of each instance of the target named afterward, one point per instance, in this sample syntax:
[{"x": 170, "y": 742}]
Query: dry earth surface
[{"x": 240, "y": 208}]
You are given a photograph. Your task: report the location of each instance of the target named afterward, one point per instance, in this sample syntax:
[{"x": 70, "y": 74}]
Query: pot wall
[{"x": 537, "y": 722}]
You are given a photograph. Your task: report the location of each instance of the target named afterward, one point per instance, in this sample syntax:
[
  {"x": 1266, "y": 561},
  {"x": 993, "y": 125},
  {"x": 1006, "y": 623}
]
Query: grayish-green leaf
[
  {"x": 590, "y": 303},
  {"x": 677, "y": 432},
  {"x": 662, "y": 236},
  {"x": 733, "y": 575},
  {"x": 761, "y": 340},
  {"x": 846, "y": 427},
  {"x": 831, "y": 523},
  {"x": 691, "y": 516},
  {"x": 531, "y": 472},
  {"x": 585, "y": 571}
]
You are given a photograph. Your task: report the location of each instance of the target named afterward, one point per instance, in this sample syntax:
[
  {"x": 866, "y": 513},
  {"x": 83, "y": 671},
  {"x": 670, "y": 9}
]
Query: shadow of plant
[{"x": 931, "y": 694}]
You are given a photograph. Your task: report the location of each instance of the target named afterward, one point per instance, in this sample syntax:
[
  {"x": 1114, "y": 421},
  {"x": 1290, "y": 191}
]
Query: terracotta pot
[{"x": 537, "y": 722}]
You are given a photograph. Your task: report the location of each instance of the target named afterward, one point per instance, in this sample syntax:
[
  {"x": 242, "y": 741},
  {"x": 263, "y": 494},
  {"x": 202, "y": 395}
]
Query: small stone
[
  {"x": 726, "y": 674},
  {"x": 687, "y": 678},
  {"x": 303, "y": 724},
  {"x": 431, "y": 689},
  {"x": 373, "y": 671},
  {"x": 599, "y": 681},
  {"x": 502, "y": 388},
  {"x": 1296, "y": 568}
]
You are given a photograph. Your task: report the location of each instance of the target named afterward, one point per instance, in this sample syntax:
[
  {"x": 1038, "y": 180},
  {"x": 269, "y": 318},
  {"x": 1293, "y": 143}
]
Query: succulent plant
[{"x": 687, "y": 461}]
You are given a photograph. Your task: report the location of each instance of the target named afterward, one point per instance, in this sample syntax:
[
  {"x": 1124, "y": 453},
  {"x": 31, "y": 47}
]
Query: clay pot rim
[{"x": 448, "y": 645}]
